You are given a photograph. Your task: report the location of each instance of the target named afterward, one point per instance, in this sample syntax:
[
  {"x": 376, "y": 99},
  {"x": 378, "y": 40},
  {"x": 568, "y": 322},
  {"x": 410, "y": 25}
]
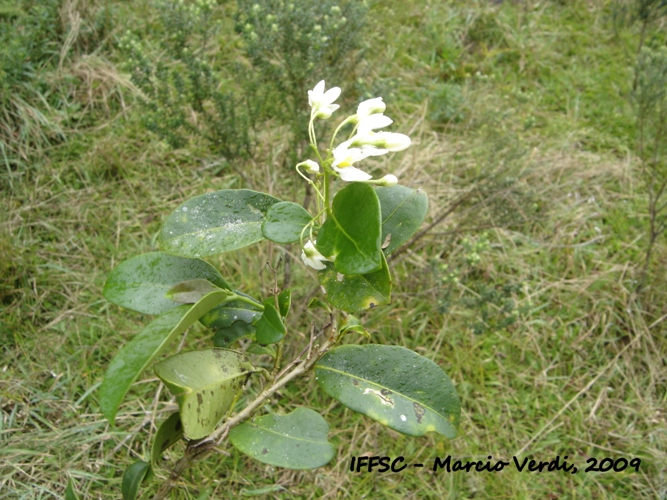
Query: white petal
[
  {"x": 352, "y": 174},
  {"x": 373, "y": 122},
  {"x": 315, "y": 264},
  {"x": 331, "y": 95}
]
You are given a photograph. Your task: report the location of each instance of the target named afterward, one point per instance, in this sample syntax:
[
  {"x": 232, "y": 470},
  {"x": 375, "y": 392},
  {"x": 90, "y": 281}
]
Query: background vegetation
[{"x": 524, "y": 286}]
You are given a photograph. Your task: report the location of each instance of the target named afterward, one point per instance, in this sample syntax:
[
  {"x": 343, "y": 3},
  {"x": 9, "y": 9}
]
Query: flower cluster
[{"x": 365, "y": 141}]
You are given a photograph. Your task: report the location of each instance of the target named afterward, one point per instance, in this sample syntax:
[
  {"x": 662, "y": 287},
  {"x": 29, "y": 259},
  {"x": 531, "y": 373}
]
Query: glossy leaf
[
  {"x": 295, "y": 441},
  {"x": 132, "y": 479},
  {"x": 403, "y": 211},
  {"x": 140, "y": 283},
  {"x": 216, "y": 222},
  {"x": 270, "y": 328},
  {"x": 205, "y": 384},
  {"x": 351, "y": 234},
  {"x": 189, "y": 292},
  {"x": 225, "y": 337},
  {"x": 135, "y": 356},
  {"x": 356, "y": 292},
  {"x": 392, "y": 385},
  {"x": 284, "y": 222},
  {"x": 352, "y": 324},
  {"x": 168, "y": 434},
  {"x": 284, "y": 302}
]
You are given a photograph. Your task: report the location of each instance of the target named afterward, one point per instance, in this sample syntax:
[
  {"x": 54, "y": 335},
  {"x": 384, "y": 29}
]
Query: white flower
[
  {"x": 370, "y": 107},
  {"x": 386, "y": 141},
  {"x": 321, "y": 102},
  {"x": 344, "y": 157},
  {"x": 310, "y": 166},
  {"x": 311, "y": 257}
]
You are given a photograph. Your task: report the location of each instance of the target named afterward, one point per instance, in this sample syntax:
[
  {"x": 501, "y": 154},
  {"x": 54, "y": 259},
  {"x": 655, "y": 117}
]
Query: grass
[{"x": 539, "y": 138}]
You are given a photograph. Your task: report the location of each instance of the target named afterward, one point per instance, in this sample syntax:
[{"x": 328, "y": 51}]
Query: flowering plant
[{"x": 346, "y": 241}]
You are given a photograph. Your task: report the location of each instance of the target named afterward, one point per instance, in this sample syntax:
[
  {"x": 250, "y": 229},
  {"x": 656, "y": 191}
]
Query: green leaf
[
  {"x": 205, "y": 384},
  {"x": 168, "y": 434},
  {"x": 261, "y": 349},
  {"x": 356, "y": 292},
  {"x": 316, "y": 303},
  {"x": 135, "y": 356},
  {"x": 225, "y": 337},
  {"x": 70, "y": 492},
  {"x": 189, "y": 292},
  {"x": 140, "y": 283},
  {"x": 352, "y": 324},
  {"x": 393, "y": 385},
  {"x": 351, "y": 234},
  {"x": 269, "y": 328},
  {"x": 216, "y": 222},
  {"x": 284, "y": 302},
  {"x": 132, "y": 479},
  {"x": 284, "y": 222},
  {"x": 403, "y": 211},
  {"x": 295, "y": 441}
]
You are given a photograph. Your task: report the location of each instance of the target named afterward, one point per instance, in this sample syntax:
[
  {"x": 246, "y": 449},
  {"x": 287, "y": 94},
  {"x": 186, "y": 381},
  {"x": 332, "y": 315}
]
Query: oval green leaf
[
  {"x": 225, "y": 337},
  {"x": 135, "y": 356},
  {"x": 356, "y": 292},
  {"x": 403, "y": 211},
  {"x": 140, "y": 283},
  {"x": 132, "y": 479},
  {"x": 270, "y": 328},
  {"x": 295, "y": 441},
  {"x": 168, "y": 434},
  {"x": 216, "y": 222},
  {"x": 351, "y": 234},
  {"x": 284, "y": 222},
  {"x": 392, "y": 385},
  {"x": 205, "y": 384}
]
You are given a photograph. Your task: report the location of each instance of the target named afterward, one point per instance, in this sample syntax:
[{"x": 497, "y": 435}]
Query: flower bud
[
  {"x": 370, "y": 107},
  {"x": 388, "y": 180},
  {"x": 310, "y": 166}
]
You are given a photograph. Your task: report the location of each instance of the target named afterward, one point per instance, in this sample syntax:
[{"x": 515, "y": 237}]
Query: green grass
[{"x": 539, "y": 131}]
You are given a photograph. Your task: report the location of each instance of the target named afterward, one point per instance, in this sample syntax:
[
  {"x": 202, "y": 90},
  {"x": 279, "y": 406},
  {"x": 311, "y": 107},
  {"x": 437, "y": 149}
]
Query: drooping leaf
[
  {"x": 140, "y": 283},
  {"x": 356, "y": 292},
  {"x": 284, "y": 222},
  {"x": 135, "y": 356},
  {"x": 216, "y": 222},
  {"x": 295, "y": 441},
  {"x": 168, "y": 434},
  {"x": 269, "y": 328},
  {"x": 284, "y": 302},
  {"x": 70, "y": 492},
  {"x": 190, "y": 291},
  {"x": 393, "y": 385},
  {"x": 351, "y": 234},
  {"x": 403, "y": 211},
  {"x": 205, "y": 384},
  {"x": 132, "y": 479}
]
